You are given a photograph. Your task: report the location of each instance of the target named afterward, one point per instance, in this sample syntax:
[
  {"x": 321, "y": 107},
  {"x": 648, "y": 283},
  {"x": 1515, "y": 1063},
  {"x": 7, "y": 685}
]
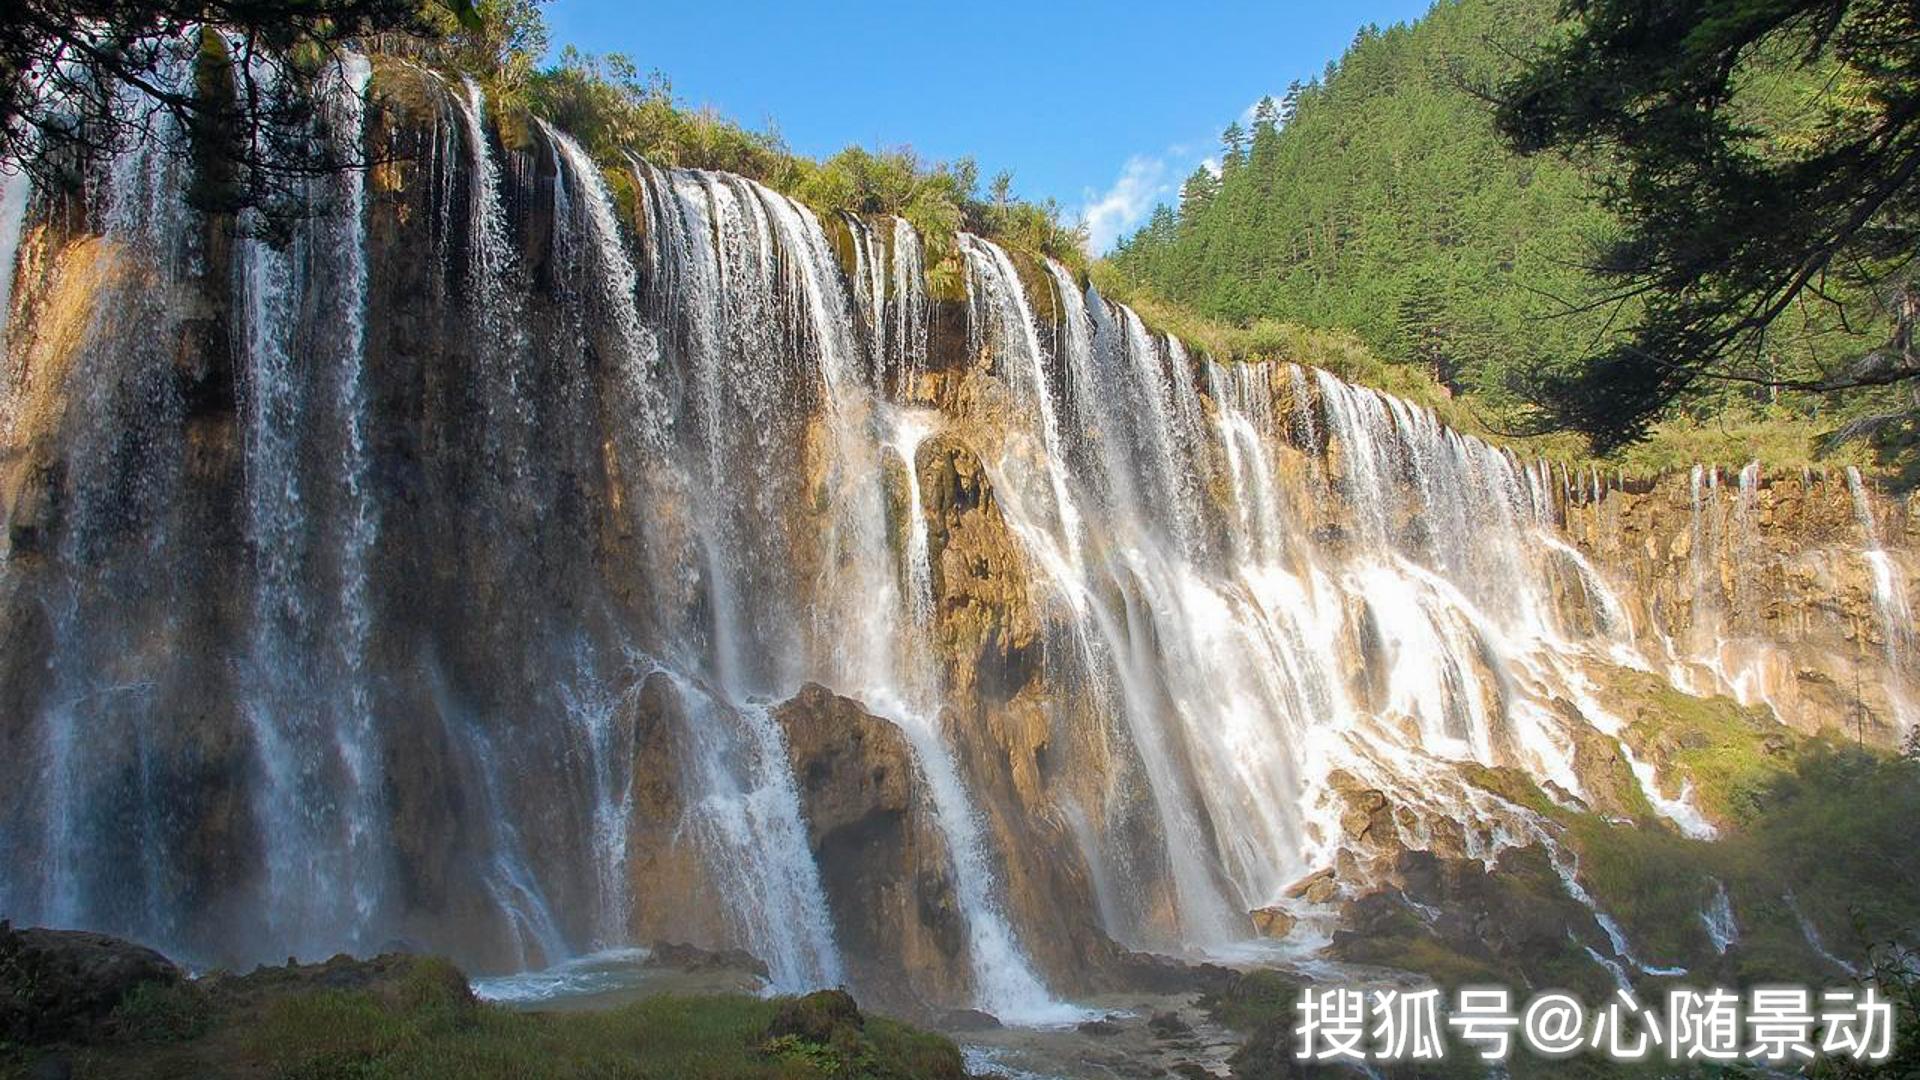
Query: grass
[
  {"x": 354, "y": 1034},
  {"x": 1777, "y": 442},
  {"x": 1777, "y": 438},
  {"x": 1825, "y": 822},
  {"x": 1729, "y": 752},
  {"x": 427, "y": 1025}
]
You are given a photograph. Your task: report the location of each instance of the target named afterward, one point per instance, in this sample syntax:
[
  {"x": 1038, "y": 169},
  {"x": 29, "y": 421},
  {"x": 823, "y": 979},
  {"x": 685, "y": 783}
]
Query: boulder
[
  {"x": 882, "y": 855},
  {"x": 60, "y": 985},
  {"x": 1319, "y": 887},
  {"x": 1169, "y": 1025},
  {"x": 1273, "y": 922},
  {"x": 968, "y": 1020},
  {"x": 692, "y": 958},
  {"x": 395, "y": 978},
  {"x": 826, "y": 1017}
]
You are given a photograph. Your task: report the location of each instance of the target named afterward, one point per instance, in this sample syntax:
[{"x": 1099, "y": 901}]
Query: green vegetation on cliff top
[{"x": 613, "y": 109}]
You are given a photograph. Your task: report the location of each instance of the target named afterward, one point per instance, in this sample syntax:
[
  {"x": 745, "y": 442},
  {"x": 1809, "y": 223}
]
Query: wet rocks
[
  {"x": 1273, "y": 922},
  {"x": 693, "y": 959},
  {"x": 1155, "y": 974},
  {"x": 1169, "y": 1025},
  {"x": 882, "y": 856},
  {"x": 968, "y": 1020},
  {"x": 986, "y": 625},
  {"x": 1366, "y": 817},
  {"x": 1459, "y": 921},
  {"x": 1767, "y": 573},
  {"x": 674, "y": 895},
  {"x": 1319, "y": 887}
]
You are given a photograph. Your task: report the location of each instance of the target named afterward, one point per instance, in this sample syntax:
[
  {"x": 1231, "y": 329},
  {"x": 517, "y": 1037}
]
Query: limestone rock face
[
  {"x": 882, "y": 857},
  {"x": 988, "y": 632},
  {"x": 1512, "y": 922},
  {"x": 1031, "y": 754},
  {"x": 674, "y": 895},
  {"x": 1768, "y": 572}
]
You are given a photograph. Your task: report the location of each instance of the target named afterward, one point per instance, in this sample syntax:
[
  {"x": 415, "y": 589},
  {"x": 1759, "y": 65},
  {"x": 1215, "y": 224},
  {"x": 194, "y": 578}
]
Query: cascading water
[
  {"x": 104, "y": 673},
  {"x": 1723, "y": 931},
  {"x": 750, "y": 821},
  {"x": 306, "y": 453},
  {"x": 15, "y": 188},
  {"x": 1889, "y": 598},
  {"x": 693, "y": 446},
  {"x": 729, "y": 246},
  {"x": 907, "y": 334}
]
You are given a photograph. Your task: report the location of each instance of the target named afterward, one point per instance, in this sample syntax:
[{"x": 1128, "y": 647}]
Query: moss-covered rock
[{"x": 60, "y": 985}]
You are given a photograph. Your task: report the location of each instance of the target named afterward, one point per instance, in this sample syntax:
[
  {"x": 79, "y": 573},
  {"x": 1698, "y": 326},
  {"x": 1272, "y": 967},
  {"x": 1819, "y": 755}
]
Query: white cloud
[
  {"x": 1146, "y": 181},
  {"x": 1142, "y": 184}
]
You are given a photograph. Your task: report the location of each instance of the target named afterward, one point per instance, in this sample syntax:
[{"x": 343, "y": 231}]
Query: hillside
[
  {"x": 1379, "y": 200},
  {"x": 1387, "y": 205}
]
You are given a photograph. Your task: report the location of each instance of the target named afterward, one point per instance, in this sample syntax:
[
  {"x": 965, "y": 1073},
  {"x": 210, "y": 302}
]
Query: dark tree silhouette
[
  {"x": 228, "y": 81},
  {"x": 1730, "y": 217}
]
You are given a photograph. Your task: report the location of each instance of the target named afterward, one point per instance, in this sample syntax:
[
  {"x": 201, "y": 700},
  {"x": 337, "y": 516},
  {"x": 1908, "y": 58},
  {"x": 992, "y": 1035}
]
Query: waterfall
[
  {"x": 661, "y": 428},
  {"x": 1723, "y": 931},
  {"x": 488, "y": 251},
  {"x": 1811, "y": 935},
  {"x": 492, "y": 291},
  {"x": 510, "y": 882},
  {"x": 635, "y": 349},
  {"x": 358, "y": 732},
  {"x": 997, "y": 297},
  {"x": 910, "y": 429},
  {"x": 15, "y": 188},
  {"x": 749, "y": 818},
  {"x": 310, "y": 714},
  {"x": 100, "y": 850},
  {"x": 1109, "y": 649},
  {"x": 1889, "y": 600},
  {"x": 907, "y": 340},
  {"x": 743, "y": 260},
  {"x": 870, "y": 294}
]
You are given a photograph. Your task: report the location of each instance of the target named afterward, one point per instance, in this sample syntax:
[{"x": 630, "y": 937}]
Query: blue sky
[{"x": 1103, "y": 107}]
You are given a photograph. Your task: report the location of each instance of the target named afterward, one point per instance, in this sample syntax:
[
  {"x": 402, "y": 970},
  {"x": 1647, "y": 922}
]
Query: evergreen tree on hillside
[
  {"x": 1266, "y": 116},
  {"x": 1233, "y": 146},
  {"x": 1197, "y": 192},
  {"x": 1389, "y": 204},
  {"x": 1385, "y": 188},
  {"x": 1290, "y": 104}
]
